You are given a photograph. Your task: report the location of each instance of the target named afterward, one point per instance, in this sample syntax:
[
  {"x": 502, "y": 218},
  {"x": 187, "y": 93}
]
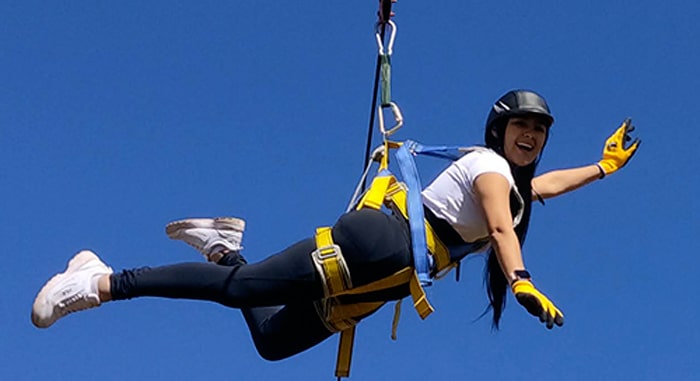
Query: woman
[{"x": 485, "y": 196}]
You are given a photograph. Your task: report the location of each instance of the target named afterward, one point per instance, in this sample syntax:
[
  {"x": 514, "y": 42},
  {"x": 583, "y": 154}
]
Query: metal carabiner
[
  {"x": 397, "y": 117},
  {"x": 392, "y": 37}
]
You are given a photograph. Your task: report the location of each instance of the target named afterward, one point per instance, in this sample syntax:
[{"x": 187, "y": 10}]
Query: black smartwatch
[{"x": 522, "y": 275}]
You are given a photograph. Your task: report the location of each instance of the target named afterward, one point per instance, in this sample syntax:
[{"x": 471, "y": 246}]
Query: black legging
[{"x": 276, "y": 295}]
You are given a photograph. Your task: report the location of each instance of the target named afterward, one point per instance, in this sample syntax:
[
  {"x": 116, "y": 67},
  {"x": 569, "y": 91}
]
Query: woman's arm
[
  {"x": 558, "y": 182},
  {"x": 493, "y": 192},
  {"x": 616, "y": 153}
]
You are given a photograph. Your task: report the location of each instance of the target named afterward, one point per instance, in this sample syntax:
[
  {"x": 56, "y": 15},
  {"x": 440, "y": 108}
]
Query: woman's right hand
[{"x": 536, "y": 303}]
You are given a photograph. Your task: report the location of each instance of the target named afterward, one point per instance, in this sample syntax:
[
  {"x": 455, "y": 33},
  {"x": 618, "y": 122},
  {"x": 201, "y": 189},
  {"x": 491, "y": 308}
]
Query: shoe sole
[
  {"x": 75, "y": 263},
  {"x": 174, "y": 228}
]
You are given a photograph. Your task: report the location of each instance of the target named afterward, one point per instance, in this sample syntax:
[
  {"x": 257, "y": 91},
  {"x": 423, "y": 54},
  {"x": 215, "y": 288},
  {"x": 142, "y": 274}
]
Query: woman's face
[{"x": 524, "y": 139}]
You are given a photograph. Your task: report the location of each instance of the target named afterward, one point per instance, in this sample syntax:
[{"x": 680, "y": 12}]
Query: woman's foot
[
  {"x": 75, "y": 289},
  {"x": 212, "y": 237}
]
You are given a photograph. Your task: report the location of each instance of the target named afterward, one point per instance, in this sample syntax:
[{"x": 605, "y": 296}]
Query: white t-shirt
[{"x": 451, "y": 195}]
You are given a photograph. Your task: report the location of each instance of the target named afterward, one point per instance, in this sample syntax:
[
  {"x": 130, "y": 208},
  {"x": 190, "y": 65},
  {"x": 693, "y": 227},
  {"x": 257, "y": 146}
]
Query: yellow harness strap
[
  {"x": 385, "y": 190},
  {"x": 345, "y": 344},
  {"x": 329, "y": 259},
  {"x": 340, "y": 317}
]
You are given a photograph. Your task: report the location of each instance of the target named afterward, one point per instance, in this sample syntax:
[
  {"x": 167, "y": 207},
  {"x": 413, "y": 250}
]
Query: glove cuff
[
  {"x": 602, "y": 171},
  {"x": 522, "y": 286}
]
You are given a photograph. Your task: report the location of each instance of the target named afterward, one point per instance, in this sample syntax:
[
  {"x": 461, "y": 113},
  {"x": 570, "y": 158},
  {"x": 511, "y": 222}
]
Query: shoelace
[{"x": 77, "y": 302}]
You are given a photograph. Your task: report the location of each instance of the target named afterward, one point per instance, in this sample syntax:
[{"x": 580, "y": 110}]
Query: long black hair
[{"x": 495, "y": 280}]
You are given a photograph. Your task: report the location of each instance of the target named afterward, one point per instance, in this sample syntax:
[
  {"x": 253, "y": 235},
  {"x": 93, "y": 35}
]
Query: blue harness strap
[{"x": 409, "y": 173}]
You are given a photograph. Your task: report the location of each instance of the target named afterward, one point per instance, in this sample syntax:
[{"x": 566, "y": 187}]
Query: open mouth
[{"x": 525, "y": 146}]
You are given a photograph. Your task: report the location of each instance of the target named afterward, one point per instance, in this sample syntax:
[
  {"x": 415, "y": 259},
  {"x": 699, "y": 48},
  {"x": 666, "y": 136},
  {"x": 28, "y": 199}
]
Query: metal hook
[
  {"x": 397, "y": 117},
  {"x": 392, "y": 37}
]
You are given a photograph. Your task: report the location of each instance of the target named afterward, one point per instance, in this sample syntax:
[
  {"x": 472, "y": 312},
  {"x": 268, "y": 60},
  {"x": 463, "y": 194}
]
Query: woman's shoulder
[
  {"x": 484, "y": 160},
  {"x": 482, "y": 156}
]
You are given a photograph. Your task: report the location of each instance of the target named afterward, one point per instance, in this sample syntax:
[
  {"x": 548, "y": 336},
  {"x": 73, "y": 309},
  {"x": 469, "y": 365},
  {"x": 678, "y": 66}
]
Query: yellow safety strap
[
  {"x": 400, "y": 277},
  {"x": 329, "y": 255},
  {"x": 388, "y": 144},
  {"x": 387, "y": 190},
  {"x": 384, "y": 190},
  {"x": 420, "y": 301},
  {"x": 347, "y": 312},
  {"x": 336, "y": 282},
  {"x": 441, "y": 254},
  {"x": 347, "y": 340},
  {"x": 375, "y": 196},
  {"x": 347, "y": 336},
  {"x": 340, "y": 316}
]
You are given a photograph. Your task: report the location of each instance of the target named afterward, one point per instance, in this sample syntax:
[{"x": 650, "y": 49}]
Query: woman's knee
[{"x": 270, "y": 351}]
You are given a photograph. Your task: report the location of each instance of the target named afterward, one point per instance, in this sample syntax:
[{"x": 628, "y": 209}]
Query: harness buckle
[
  {"x": 330, "y": 263},
  {"x": 326, "y": 252}
]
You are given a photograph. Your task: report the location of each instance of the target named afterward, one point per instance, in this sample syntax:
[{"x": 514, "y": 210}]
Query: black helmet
[
  {"x": 519, "y": 102},
  {"x": 516, "y": 102}
]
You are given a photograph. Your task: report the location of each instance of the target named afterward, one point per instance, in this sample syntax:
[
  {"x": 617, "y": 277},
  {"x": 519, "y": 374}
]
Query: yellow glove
[
  {"x": 615, "y": 155},
  {"x": 536, "y": 303}
]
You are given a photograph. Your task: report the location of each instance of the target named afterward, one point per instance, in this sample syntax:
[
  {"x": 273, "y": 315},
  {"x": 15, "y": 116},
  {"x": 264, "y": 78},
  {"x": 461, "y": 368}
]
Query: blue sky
[{"x": 116, "y": 119}]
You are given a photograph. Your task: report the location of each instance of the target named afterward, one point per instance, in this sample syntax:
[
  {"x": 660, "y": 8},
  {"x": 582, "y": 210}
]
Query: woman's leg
[
  {"x": 284, "y": 278},
  {"x": 375, "y": 245},
  {"x": 279, "y": 332},
  {"x": 282, "y": 331}
]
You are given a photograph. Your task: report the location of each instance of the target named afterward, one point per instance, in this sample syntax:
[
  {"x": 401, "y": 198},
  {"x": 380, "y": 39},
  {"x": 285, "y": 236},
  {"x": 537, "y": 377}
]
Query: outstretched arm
[
  {"x": 558, "y": 182},
  {"x": 493, "y": 191},
  {"x": 615, "y": 156}
]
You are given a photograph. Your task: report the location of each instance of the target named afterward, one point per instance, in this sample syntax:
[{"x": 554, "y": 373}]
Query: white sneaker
[
  {"x": 72, "y": 290},
  {"x": 209, "y": 235}
]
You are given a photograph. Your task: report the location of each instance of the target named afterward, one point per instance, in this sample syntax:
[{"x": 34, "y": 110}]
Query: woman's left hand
[{"x": 615, "y": 154}]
